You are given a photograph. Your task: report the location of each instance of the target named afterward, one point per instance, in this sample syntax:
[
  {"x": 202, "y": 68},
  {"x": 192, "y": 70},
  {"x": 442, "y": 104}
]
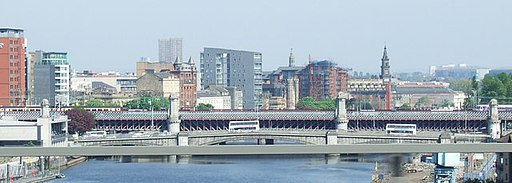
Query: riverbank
[
  {"x": 69, "y": 163},
  {"x": 29, "y": 171}
]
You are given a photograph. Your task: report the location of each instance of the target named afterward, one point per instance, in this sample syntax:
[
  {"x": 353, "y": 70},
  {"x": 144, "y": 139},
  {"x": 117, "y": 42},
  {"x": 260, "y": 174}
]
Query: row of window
[
  {"x": 12, "y": 49},
  {"x": 14, "y": 42},
  {"x": 13, "y": 64},
  {"x": 14, "y": 79},
  {"x": 14, "y": 57}
]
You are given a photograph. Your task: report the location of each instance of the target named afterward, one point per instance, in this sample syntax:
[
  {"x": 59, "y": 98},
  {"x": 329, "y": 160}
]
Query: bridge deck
[
  {"x": 256, "y": 150},
  {"x": 284, "y": 115}
]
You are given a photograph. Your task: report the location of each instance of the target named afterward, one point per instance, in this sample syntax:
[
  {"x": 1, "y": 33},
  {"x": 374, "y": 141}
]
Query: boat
[{"x": 60, "y": 176}]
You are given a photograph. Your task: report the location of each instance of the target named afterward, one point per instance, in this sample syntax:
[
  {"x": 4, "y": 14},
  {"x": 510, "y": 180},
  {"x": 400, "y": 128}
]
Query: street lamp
[{"x": 151, "y": 106}]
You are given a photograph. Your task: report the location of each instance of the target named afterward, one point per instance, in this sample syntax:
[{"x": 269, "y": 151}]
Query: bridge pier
[
  {"x": 493, "y": 121},
  {"x": 265, "y": 141},
  {"x": 332, "y": 158},
  {"x": 341, "y": 113},
  {"x": 182, "y": 139},
  {"x": 125, "y": 159},
  {"x": 173, "y": 117}
]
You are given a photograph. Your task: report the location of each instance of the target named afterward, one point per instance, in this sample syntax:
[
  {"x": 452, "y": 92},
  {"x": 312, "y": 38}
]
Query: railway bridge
[{"x": 340, "y": 120}]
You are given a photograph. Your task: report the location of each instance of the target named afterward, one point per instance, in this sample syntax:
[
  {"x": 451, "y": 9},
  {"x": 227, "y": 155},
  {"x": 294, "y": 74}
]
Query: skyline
[{"x": 352, "y": 34}]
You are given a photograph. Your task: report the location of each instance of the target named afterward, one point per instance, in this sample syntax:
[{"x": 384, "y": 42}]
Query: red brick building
[
  {"x": 187, "y": 73},
  {"x": 12, "y": 67},
  {"x": 322, "y": 79}
]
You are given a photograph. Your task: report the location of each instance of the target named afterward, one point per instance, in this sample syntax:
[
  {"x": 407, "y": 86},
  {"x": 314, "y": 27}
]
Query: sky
[{"x": 101, "y": 35}]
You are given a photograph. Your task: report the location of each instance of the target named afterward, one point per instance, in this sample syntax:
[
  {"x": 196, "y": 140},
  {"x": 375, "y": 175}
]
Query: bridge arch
[{"x": 307, "y": 140}]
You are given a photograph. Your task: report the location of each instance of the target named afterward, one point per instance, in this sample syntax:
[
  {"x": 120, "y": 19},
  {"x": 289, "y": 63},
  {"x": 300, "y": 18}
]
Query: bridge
[
  {"x": 313, "y": 120},
  {"x": 255, "y": 150},
  {"x": 338, "y": 121},
  {"x": 264, "y": 136}
]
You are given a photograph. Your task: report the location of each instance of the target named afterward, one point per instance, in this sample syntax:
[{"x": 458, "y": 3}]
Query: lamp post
[{"x": 151, "y": 106}]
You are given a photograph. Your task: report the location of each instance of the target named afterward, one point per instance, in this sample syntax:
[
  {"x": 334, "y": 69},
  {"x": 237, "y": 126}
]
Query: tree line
[{"x": 481, "y": 92}]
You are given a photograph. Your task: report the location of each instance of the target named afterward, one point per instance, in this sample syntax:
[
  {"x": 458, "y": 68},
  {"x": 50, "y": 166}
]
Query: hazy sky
[{"x": 110, "y": 35}]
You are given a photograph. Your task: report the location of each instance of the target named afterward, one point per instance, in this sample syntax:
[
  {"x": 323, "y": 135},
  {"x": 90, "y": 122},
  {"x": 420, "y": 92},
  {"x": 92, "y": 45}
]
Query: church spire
[
  {"x": 291, "y": 59},
  {"x": 385, "y": 71},
  {"x": 385, "y": 54},
  {"x": 178, "y": 60}
]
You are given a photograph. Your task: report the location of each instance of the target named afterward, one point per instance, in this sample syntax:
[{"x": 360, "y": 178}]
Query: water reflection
[{"x": 247, "y": 169}]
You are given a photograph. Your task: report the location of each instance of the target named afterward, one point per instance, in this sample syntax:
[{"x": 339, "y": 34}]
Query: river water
[{"x": 217, "y": 169}]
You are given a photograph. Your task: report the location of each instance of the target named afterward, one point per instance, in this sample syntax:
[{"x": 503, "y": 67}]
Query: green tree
[
  {"x": 465, "y": 86},
  {"x": 311, "y": 104},
  {"x": 406, "y": 106},
  {"x": 493, "y": 87},
  {"x": 98, "y": 103},
  {"x": 422, "y": 102},
  {"x": 446, "y": 103},
  {"x": 204, "y": 107},
  {"x": 144, "y": 103},
  {"x": 80, "y": 120}
]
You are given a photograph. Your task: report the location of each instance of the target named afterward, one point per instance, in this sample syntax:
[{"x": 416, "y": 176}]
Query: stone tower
[
  {"x": 493, "y": 121},
  {"x": 341, "y": 113},
  {"x": 173, "y": 114},
  {"x": 385, "y": 72},
  {"x": 290, "y": 94},
  {"x": 385, "y": 75}
]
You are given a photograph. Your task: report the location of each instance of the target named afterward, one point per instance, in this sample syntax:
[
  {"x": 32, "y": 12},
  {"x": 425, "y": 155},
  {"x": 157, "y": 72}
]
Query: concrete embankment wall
[{"x": 76, "y": 161}]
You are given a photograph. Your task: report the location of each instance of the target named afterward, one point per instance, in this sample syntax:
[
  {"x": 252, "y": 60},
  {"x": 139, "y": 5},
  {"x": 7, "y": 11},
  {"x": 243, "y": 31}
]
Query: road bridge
[
  {"x": 264, "y": 136},
  {"x": 256, "y": 150}
]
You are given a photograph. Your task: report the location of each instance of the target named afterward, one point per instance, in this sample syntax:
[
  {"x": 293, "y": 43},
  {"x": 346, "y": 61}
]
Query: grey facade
[
  {"x": 44, "y": 88},
  {"x": 240, "y": 69},
  {"x": 50, "y": 78},
  {"x": 169, "y": 49}
]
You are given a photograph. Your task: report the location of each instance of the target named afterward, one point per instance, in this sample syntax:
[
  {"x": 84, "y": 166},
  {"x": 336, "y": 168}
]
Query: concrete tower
[
  {"x": 291, "y": 59},
  {"x": 296, "y": 84},
  {"x": 173, "y": 114},
  {"x": 341, "y": 113},
  {"x": 169, "y": 49},
  {"x": 45, "y": 108},
  {"x": 290, "y": 94},
  {"x": 493, "y": 121}
]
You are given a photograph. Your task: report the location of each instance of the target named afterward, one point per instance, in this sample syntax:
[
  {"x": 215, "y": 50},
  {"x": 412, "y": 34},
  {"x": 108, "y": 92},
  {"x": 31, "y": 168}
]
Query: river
[{"x": 246, "y": 169}]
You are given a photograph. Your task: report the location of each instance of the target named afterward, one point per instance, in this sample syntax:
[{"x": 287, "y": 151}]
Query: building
[
  {"x": 367, "y": 94},
  {"x": 434, "y": 94},
  {"x": 495, "y": 72},
  {"x": 12, "y": 67},
  {"x": 235, "y": 68},
  {"x": 460, "y": 71},
  {"x": 48, "y": 78},
  {"x": 385, "y": 75},
  {"x": 169, "y": 49},
  {"x": 47, "y": 131},
  {"x": 221, "y": 97},
  {"x": 161, "y": 84},
  {"x": 187, "y": 73},
  {"x": 145, "y": 66},
  {"x": 111, "y": 87},
  {"x": 504, "y": 162},
  {"x": 322, "y": 79}
]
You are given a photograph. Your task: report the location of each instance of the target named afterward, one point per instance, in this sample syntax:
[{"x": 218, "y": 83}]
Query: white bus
[
  {"x": 244, "y": 125},
  {"x": 486, "y": 108},
  {"x": 401, "y": 129},
  {"x": 96, "y": 134}
]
